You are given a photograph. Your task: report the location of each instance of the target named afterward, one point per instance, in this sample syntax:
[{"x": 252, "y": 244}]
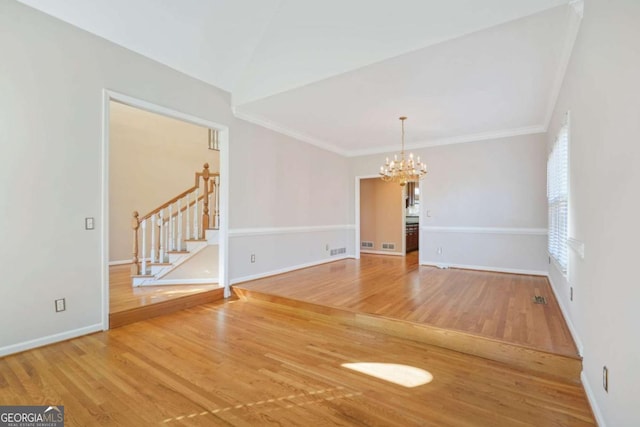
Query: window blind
[{"x": 558, "y": 196}]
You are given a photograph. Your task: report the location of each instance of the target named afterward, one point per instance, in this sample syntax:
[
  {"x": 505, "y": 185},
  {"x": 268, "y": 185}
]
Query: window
[{"x": 558, "y": 196}]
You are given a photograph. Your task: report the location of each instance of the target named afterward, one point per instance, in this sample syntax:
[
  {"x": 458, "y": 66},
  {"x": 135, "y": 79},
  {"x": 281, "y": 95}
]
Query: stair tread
[
  {"x": 143, "y": 275},
  {"x": 177, "y": 252}
]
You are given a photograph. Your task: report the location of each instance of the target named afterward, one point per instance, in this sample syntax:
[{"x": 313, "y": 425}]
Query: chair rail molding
[{"x": 487, "y": 230}]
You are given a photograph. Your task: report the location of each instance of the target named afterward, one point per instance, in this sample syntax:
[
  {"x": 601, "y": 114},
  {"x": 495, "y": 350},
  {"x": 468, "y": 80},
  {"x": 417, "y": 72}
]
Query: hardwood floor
[
  {"x": 245, "y": 364},
  {"x": 493, "y": 305},
  {"x": 128, "y": 304}
]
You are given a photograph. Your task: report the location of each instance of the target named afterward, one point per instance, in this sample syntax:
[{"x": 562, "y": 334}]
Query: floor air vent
[{"x": 539, "y": 300}]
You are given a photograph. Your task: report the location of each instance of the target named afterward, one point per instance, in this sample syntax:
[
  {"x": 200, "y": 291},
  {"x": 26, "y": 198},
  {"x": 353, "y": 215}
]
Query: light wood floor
[
  {"x": 244, "y": 364},
  {"x": 123, "y": 296},
  {"x": 494, "y": 305},
  {"x": 128, "y": 304}
]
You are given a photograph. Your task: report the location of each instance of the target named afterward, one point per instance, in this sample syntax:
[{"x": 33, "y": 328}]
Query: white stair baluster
[
  {"x": 216, "y": 219},
  {"x": 144, "y": 246},
  {"x": 179, "y": 220},
  {"x": 173, "y": 233},
  {"x": 160, "y": 237},
  {"x": 153, "y": 239},
  {"x": 170, "y": 230},
  {"x": 211, "y": 216},
  {"x": 187, "y": 226},
  {"x": 196, "y": 217}
]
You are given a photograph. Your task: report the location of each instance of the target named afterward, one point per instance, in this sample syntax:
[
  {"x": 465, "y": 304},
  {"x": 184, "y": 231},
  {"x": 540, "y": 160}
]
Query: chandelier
[{"x": 406, "y": 169}]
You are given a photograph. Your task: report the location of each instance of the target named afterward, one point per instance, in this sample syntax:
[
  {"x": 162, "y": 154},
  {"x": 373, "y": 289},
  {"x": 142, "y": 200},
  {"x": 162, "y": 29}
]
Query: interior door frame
[
  {"x": 223, "y": 139},
  {"x": 356, "y": 251}
]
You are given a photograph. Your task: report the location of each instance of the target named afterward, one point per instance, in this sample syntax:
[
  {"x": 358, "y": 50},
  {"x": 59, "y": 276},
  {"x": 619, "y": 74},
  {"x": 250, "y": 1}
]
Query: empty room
[{"x": 345, "y": 213}]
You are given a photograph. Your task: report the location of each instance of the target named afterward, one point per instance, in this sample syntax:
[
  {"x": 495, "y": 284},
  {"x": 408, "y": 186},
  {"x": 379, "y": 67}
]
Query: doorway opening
[{"x": 151, "y": 154}]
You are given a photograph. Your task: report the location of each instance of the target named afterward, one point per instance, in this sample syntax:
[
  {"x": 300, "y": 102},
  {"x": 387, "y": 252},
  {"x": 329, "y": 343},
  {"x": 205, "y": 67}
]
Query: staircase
[{"x": 176, "y": 231}]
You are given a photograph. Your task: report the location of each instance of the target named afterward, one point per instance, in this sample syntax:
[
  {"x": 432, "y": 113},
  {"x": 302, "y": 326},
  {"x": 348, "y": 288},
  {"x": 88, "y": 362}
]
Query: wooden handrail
[
  {"x": 184, "y": 193},
  {"x": 210, "y": 183}
]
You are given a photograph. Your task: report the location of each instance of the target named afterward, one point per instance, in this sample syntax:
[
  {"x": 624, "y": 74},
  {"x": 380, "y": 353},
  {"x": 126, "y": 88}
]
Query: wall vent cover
[
  {"x": 366, "y": 244},
  {"x": 388, "y": 246},
  {"x": 338, "y": 251}
]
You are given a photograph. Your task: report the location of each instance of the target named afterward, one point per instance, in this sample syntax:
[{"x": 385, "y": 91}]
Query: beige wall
[
  {"x": 152, "y": 158},
  {"x": 381, "y": 213}
]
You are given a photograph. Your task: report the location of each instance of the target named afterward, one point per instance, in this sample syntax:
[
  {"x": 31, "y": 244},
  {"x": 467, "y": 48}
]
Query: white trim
[
  {"x": 286, "y": 269},
  {"x": 325, "y": 145},
  {"x": 484, "y": 268},
  {"x": 367, "y": 251},
  {"x": 223, "y": 229},
  {"x": 506, "y": 133},
  {"x": 266, "y": 123},
  {"x": 104, "y": 226},
  {"x": 199, "y": 281},
  {"x": 565, "y": 314},
  {"x": 120, "y": 262},
  {"x": 262, "y": 231},
  {"x": 577, "y": 246},
  {"x": 50, "y": 339},
  {"x": 488, "y": 230},
  {"x": 223, "y": 137},
  {"x": 592, "y": 400}
]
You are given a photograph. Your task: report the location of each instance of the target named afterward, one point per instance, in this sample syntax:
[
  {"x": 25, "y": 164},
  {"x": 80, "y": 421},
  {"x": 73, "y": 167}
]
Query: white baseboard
[
  {"x": 567, "y": 318},
  {"x": 381, "y": 252},
  {"x": 592, "y": 400},
  {"x": 286, "y": 269},
  {"x": 484, "y": 268},
  {"x": 199, "y": 281},
  {"x": 39, "y": 342},
  {"x": 120, "y": 262}
]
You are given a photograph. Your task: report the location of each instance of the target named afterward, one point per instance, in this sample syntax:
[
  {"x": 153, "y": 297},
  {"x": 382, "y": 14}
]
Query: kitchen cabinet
[{"x": 413, "y": 237}]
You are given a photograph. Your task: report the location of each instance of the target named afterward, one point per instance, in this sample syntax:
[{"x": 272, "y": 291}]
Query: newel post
[
  {"x": 135, "y": 224},
  {"x": 205, "y": 208}
]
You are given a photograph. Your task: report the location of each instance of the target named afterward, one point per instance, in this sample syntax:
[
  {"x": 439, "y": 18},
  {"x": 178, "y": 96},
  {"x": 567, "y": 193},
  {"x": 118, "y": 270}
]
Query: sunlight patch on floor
[{"x": 404, "y": 375}]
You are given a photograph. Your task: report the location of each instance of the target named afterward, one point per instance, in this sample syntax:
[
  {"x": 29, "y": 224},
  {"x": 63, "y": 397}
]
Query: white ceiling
[{"x": 338, "y": 73}]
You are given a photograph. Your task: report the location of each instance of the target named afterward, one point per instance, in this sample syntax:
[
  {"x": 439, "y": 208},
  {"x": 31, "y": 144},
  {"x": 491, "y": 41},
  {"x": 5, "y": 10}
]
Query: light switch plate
[
  {"x": 60, "y": 305},
  {"x": 89, "y": 223}
]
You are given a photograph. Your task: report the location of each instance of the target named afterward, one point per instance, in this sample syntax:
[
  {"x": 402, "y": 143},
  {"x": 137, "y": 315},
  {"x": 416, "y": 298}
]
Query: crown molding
[
  {"x": 528, "y": 130},
  {"x": 261, "y": 121}
]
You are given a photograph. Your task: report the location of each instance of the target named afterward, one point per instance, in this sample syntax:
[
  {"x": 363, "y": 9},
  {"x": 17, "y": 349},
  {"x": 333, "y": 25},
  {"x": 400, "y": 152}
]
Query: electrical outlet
[
  {"x": 253, "y": 258},
  {"x": 605, "y": 378},
  {"x": 60, "y": 305},
  {"x": 326, "y": 247},
  {"x": 89, "y": 223},
  {"x": 439, "y": 251},
  {"x": 571, "y": 293}
]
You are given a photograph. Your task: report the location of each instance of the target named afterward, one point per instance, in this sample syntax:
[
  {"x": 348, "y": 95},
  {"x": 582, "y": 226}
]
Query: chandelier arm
[{"x": 402, "y": 170}]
